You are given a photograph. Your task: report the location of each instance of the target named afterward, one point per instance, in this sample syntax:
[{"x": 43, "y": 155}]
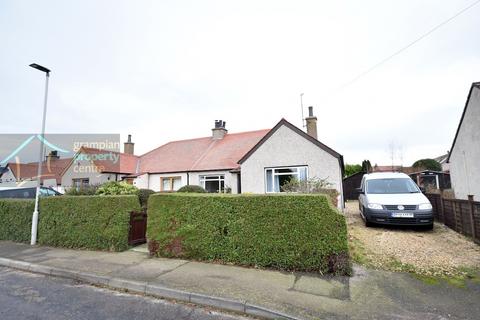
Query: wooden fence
[{"x": 462, "y": 216}]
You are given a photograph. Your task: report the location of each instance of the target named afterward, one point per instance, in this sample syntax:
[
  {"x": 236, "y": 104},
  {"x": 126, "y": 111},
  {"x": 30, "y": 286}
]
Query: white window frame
[
  {"x": 171, "y": 183},
  {"x": 281, "y": 174},
  {"x": 220, "y": 178},
  {"x": 79, "y": 183}
]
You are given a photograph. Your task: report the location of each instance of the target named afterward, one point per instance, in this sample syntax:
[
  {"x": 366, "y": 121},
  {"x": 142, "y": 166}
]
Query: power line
[{"x": 396, "y": 53}]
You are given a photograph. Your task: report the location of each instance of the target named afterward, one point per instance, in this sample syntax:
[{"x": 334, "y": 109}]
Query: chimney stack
[
  {"x": 219, "y": 131},
  {"x": 52, "y": 156},
  {"x": 311, "y": 121},
  {"x": 128, "y": 147}
]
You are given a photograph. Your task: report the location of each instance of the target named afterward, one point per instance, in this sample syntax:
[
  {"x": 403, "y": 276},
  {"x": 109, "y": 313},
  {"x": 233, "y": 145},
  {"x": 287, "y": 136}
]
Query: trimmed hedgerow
[
  {"x": 16, "y": 219},
  {"x": 191, "y": 189},
  {"x": 287, "y": 232},
  {"x": 86, "y": 222}
]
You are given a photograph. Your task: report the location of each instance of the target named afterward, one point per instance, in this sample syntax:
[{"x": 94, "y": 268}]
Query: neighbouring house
[
  {"x": 443, "y": 162},
  {"x": 7, "y": 178},
  {"x": 350, "y": 185},
  {"x": 25, "y": 174},
  {"x": 464, "y": 156},
  {"x": 92, "y": 166}
]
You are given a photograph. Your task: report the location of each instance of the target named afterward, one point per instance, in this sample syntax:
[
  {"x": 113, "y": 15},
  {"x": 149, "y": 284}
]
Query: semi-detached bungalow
[{"x": 247, "y": 162}]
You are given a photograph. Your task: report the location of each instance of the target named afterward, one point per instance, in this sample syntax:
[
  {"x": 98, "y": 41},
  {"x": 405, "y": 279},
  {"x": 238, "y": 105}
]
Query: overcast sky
[{"x": 165, "y": 70}]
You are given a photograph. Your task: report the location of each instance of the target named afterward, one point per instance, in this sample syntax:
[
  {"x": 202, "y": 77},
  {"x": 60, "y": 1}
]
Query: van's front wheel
[
  {"x": 365, "y": 220},
  {"x": 428, "y": 227}
]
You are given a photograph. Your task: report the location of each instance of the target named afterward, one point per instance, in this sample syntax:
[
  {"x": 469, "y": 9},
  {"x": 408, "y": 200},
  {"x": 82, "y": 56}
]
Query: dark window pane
[
  {"x": 212, "y": 186},
  {"x": 282, "y": 180}
]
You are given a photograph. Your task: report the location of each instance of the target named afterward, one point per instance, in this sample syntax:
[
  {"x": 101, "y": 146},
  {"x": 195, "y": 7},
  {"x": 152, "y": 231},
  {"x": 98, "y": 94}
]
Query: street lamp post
[{"x": 33, "y": 240}]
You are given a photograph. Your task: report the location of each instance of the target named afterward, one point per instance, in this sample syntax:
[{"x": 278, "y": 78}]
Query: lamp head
[{"x": 39, "y": 67}]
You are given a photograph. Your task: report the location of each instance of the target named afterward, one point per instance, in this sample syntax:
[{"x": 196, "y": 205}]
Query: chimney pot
[{"x": 219, "y": 131}]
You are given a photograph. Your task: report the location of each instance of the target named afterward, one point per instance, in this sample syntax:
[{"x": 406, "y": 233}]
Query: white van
[{"x": 393, "y": 198}]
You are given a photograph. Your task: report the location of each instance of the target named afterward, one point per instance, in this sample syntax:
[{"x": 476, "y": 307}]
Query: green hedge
[
  {"x": 87, "y": 222},
  {"x": 16, "y": 219},
  {"x": 287, "y": 232},
  {"x": 191, "y": 189}
]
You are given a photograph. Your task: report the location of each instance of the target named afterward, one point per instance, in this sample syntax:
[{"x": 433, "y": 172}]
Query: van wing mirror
[{"x": 359, "y": 190}]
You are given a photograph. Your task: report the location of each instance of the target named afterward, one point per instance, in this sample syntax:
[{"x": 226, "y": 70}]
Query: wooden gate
[{"x": 138, "y": 228}]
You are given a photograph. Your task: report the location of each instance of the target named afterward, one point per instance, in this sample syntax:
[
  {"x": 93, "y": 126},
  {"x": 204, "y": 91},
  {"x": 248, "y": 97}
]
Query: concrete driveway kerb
[{"x": 141, "y": 287}]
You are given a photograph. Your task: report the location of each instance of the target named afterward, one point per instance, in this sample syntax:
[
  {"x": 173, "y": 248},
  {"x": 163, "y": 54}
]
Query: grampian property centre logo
[{"x": 81, "y": 154}]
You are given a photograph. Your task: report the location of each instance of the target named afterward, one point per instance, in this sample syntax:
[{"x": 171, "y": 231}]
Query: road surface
[{"x": 25, "y": 295}]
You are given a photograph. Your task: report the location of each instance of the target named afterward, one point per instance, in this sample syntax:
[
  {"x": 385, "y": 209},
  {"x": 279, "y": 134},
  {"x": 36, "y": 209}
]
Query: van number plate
[{"x": 402, "y": 214}]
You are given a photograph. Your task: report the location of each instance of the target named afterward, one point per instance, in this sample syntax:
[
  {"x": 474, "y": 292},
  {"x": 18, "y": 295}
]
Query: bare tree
[
  {"x": 395, "y": 152},
  {"x": 391, "y": 152}
]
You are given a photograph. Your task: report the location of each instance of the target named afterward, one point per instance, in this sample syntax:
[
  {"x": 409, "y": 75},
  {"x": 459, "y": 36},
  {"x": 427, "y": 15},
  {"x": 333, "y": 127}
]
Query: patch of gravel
[{"x": 440, "y": 252}]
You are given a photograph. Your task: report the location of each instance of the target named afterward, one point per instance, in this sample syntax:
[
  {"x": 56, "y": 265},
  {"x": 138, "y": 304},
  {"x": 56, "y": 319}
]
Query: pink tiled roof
[
  {"x": 201, "y": 154},
  {"x": 127, "y": 162},
  {"x": 50, "y": 169}
]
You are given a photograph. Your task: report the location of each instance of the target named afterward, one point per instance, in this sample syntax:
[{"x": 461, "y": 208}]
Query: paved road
[{"x": 28, "y": 296}]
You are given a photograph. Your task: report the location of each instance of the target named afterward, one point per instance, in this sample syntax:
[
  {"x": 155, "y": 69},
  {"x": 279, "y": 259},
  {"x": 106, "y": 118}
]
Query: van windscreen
[{"x": 397, "y": 185}]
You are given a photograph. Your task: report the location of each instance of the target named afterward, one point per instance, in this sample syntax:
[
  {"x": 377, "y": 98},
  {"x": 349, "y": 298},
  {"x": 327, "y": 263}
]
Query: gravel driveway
[{"x": 440, "y": 252}]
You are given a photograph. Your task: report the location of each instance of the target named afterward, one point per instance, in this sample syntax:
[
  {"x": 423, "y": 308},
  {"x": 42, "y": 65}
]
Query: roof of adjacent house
[
  {"x": 106, "y": 160},
  {"x": 127, "y": 163},
  {"x": 50, "y": 169},
  {"x": 474, "y": 85},
  {"x": 426, "y": 171},
  {"x": 385, "y": 175},
  {"x": 201, "y": 154},
  {"x": 441, "y": 159},
  {"x": 390, "y": 168}
]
